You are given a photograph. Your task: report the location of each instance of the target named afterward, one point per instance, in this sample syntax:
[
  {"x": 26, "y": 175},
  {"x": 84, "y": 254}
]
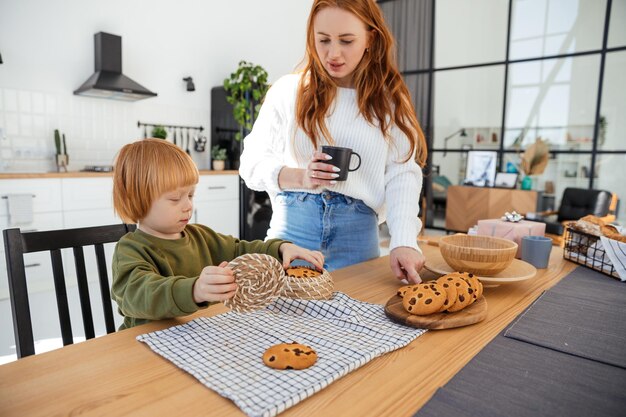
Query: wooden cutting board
[{"x": 475, "y": 313}]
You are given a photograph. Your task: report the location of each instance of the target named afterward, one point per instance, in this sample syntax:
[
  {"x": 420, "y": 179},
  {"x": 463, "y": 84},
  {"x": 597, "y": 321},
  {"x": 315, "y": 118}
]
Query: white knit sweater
[{"x": 385, "y": 183}]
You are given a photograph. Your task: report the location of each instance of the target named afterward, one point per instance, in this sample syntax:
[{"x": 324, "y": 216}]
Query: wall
[{"x": 47, "y": 49}]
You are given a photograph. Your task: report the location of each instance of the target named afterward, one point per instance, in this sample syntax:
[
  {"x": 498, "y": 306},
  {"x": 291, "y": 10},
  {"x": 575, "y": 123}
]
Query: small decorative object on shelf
[
  {"x": 218, "y": 155},
  {"x": 512, "y": 217},
  {"x": 62, "y": 159},
  {"x": 533, "y": 162}
]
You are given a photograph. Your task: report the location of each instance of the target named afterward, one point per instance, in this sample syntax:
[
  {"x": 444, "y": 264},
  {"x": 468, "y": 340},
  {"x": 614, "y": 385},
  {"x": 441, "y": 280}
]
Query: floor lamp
[{"x": 461, "y": 132}]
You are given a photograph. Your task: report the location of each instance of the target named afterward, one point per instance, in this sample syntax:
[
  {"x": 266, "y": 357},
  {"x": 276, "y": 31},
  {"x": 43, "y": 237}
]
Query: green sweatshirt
[{"x": 153, "y": 278}]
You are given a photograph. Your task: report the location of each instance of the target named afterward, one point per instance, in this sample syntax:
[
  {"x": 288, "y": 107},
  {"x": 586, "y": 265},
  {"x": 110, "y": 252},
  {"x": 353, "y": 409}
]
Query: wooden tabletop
[{"x": 115, "y": 375}]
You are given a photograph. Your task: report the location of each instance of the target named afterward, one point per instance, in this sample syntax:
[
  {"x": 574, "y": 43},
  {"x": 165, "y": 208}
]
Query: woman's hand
[
  {"x": 317, "y": 174},
  {"x": 406, "y": 264},
  {"x": 289, "y": 252},
  {"x": 215, "y": 283}
]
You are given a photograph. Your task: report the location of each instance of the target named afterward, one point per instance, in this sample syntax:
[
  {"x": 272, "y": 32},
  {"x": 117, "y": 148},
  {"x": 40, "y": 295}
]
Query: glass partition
[
  {"x": 563, "y": 170},
  {"x": 552, "y": 99},
  {"x": 555, "y": 27},
  {"x": 612, "y": 129},
  {"x": 610, "y": 174},
  {"x": 470, "y": 32},
  {"x": 555, "y": 99},
  {"x": 448, "y": 169},
  {"x": 617, "y": 26},
  {"x": 468, "y": 108},
  {"x": 418, "y": 86}
]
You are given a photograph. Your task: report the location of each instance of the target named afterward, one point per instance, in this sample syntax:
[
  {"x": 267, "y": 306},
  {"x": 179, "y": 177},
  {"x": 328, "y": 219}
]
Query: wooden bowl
[{"x": 481, "y": 255}]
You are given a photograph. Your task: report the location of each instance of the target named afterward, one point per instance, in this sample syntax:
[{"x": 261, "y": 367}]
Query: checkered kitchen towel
[{"x": 224, "y": 352}]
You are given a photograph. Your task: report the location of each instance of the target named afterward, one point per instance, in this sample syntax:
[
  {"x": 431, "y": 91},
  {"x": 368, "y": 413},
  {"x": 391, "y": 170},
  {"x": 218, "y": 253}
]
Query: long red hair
[{"x": 381, "y": 91}]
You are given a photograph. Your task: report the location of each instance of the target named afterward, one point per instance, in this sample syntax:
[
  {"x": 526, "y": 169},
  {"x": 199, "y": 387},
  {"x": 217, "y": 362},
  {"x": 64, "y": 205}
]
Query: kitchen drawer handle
[
  {"x": 217, "y": 187},
  {"x": 32, "y": 265}
]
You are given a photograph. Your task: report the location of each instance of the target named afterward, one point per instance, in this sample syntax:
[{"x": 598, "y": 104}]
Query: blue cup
[{"x": 536, "y": 250}]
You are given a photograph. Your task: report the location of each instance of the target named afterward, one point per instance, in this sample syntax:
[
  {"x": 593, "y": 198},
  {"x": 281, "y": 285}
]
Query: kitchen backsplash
[{"x": 95, "y": 129}]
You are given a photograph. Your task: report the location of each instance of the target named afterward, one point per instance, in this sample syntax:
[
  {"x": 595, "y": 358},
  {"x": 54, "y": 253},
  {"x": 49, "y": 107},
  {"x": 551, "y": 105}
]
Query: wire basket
[{"x": 587, "y": 250}]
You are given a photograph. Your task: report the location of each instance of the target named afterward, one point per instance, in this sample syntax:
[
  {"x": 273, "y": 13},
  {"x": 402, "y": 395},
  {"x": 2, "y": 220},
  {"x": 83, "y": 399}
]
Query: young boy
[{"x": 168, "y": 267}]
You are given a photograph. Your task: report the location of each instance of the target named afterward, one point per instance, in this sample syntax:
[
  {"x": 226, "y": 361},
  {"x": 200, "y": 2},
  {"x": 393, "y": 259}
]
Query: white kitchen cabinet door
[
  {"x": 217, "y": 187},
  {"x": 221, "y": 216},
  {"x": 87, "y": 193},
  {"x": 35, "y": 262},
  {"x": 46, "y": 193},
  {"x": 88, "y": 218},
  {"x": 88, "y": 202}
]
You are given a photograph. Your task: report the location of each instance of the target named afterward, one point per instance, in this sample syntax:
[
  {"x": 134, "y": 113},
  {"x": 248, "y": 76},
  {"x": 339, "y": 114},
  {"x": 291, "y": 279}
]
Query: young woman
[
  {"x": 349, "y": 94},
  {"x": 168, "y": 267}
]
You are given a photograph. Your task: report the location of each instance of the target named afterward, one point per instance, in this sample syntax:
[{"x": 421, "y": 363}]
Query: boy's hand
[
  {"x": 289, "y": 252},
  {"x": 215, "y": 283}
]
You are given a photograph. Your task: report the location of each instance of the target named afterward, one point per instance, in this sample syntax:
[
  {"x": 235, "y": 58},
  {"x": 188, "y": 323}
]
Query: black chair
[
  {"x": 17, "y": 243},
  {"x": 577, "y": 203}
]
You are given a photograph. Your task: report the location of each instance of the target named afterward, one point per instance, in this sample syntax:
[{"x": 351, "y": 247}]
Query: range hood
[{"x": 108, "y": 80}]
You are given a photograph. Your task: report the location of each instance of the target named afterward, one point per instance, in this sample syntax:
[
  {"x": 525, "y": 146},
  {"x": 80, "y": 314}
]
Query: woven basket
[
  {"x": 480, "y": 255},
  {"x": 260, "y": 279},
  {"x": 312, "y": 288}
]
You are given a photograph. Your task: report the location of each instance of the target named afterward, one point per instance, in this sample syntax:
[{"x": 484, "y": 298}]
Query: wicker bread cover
[
  {"x": 260, "y": 279},
  {"x": 309, "y": 288}
]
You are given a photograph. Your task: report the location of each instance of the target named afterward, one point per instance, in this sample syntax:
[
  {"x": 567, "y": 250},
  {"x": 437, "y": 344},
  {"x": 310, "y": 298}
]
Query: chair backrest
[
  {"x": 442, "y": 180},
  {"x": 17, "y": 243},
  {"x": 580, "y": 202}
]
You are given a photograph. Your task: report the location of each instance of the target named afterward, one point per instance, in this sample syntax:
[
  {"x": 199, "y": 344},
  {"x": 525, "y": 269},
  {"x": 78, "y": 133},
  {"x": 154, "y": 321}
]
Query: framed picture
[
  {"x": 481, "y": 168},
  {"x": 506, "y": 180}
]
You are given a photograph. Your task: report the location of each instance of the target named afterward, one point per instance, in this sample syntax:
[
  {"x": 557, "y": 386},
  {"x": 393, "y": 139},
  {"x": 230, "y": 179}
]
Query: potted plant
[
  {"x": 218, "y": 155},
  {"x": 62, "y": 159},
  {"x": 245, "y": 89},
  {"x": 159, "y": 132}
]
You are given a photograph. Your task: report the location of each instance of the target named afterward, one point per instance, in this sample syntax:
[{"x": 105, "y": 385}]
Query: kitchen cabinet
[
  {"x": 80, "y": 200},
  {"x": 216, "y": 203},
  {"x": 88, "y": 202},
  {"x": 46, "y": 194},
  {"x": 47, "y": 214},
  {"x": 70, "y": 201},
  {"x": 58, "y": 203}
]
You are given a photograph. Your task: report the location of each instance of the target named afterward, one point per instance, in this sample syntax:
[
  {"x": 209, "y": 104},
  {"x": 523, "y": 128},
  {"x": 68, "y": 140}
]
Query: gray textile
[
  {"x": 515, "y": 379},
  {"x": 573, "y": 364},
  {"x": 583, "y": 315}
]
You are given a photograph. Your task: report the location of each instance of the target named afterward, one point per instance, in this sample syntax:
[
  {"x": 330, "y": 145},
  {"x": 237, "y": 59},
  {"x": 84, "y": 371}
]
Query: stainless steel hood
[{"x": 108, "y": 80}]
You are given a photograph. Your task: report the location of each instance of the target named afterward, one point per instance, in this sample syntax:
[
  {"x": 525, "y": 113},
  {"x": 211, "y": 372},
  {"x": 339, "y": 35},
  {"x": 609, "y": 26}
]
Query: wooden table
[{"x": 115, "y": 375}]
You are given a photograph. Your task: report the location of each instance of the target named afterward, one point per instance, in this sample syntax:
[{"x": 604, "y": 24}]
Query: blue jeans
[{"x": 344, "y": 229}]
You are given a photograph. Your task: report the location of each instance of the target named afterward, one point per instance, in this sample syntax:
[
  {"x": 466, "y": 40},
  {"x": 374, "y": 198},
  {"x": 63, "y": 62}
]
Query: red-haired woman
[{"x": 349, "y": 94}]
